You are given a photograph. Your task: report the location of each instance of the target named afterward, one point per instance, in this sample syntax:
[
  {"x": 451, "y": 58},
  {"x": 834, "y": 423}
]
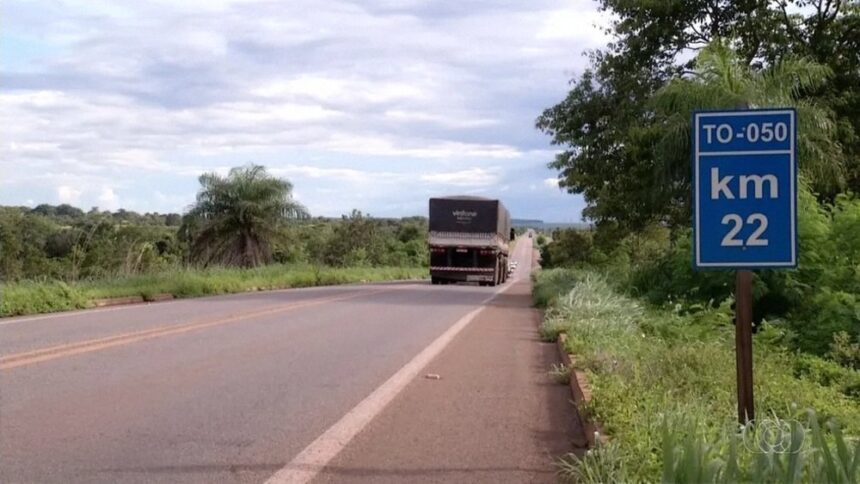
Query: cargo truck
[{"x": 468, "y": 240}]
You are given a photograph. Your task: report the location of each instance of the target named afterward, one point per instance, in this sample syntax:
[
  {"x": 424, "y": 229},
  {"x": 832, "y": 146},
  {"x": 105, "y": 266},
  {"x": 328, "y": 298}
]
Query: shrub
[
  {"x": 40, "y": 297},
  {"x": 819, "y": 299},
  {"x": 651, "y": 367},
  {"x": 844, "y": 352}
]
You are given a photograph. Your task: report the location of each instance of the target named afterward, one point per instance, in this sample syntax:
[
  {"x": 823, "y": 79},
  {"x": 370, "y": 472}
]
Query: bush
[
  {"x": 553, "y": 282},
  {"x": 649, "y": 366},
  {"x": 36, "y": 297},
  {"x": 819, "y": 299},
  {"x": 844, "y": 352},
  {"x": 828, "y": 373},
  {"x": 41, "y": 297}
]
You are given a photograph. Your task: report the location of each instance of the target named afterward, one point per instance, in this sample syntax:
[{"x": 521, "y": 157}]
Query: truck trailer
[{"x": 468, "y": 240}]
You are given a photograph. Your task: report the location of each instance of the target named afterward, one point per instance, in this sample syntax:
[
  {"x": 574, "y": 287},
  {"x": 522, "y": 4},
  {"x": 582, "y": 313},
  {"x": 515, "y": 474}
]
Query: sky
[{"x": 372, "y": 105}]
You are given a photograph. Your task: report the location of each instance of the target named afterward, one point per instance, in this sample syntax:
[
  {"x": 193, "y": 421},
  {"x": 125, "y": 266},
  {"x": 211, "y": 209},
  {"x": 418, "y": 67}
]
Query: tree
[
  {"x": 237, "y": 217},
  {"x": 356, "y": 240},
  {"x": 721, "y": 80},
  {"x": 606, "y": 124}
]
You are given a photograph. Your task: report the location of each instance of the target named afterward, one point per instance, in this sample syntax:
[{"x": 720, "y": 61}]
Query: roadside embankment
[
  {"x": 32, "y": 297},
  {"x": 663, "y": 390}
]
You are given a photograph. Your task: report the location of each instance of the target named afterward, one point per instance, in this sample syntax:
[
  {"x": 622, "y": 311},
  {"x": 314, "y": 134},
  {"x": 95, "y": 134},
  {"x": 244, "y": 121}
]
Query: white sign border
[{"x": 792, "y": 178}]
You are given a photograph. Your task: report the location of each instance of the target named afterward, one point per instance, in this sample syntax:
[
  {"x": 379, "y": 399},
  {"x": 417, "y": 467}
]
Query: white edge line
[
  {"x": 310, "y": 461},
  {"x": 6, "y": 320},
  {"x": 67, "y": 314}
]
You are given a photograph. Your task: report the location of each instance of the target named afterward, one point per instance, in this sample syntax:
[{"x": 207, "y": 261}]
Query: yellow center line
[{"x": 70, "y": 349}]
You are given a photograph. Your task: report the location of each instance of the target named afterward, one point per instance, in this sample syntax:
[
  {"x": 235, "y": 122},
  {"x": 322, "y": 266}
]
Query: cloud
[
  {"x": 108, "y": 199},
  {"x": 575, "y": 22},
  {"x": 440, "y": 119},
  {"x": 474, "y": 177},
  {"x": 67, "y": 194},
  {"x": 551, "y": 182},
  {"x": 104, "y": 95}
]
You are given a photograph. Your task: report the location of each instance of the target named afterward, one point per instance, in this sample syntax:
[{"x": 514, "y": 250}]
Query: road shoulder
[{"x": 494, "y": 414}]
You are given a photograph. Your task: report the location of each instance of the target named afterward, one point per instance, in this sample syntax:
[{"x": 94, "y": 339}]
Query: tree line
[{"x": 247, "y": 218}]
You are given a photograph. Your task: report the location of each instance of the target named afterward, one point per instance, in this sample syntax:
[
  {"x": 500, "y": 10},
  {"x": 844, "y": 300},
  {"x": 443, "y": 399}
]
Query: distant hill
[
  {"x": 541, "y": 225},
  {"x": 524, "y": 222}
]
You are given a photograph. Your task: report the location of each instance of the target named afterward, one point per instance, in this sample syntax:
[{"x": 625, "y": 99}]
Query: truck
[{"x": 468, "y": 240}]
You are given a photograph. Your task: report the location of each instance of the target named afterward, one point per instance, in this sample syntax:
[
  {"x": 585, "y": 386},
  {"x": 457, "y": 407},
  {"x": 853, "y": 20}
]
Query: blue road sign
[{"x": 745, "y": 188}]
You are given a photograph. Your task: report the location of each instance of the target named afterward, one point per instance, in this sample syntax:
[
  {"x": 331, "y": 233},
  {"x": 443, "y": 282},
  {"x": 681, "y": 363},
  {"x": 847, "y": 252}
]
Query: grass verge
[
  {"x": 663, "y": 388},
  {"x": 43, "y": 297}
]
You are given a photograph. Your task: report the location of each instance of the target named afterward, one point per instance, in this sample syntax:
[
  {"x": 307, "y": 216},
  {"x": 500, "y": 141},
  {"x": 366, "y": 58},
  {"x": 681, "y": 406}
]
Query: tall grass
[
  {"x": 663, "y": 381},
  {"x": 41, "y": 297}
]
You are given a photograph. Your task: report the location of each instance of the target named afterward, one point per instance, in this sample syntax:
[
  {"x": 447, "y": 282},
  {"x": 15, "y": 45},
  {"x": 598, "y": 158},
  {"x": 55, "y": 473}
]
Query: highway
[{"x": 219, "y": 389}]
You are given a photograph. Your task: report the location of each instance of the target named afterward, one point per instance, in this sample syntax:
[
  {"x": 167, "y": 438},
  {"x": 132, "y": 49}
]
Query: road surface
[{"x": 221, "y": 389}]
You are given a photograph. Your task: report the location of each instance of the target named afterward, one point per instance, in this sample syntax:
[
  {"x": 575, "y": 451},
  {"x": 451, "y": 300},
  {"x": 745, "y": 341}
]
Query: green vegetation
[
  {"x": 623, "y": 124},
  {"x": 626, "y": 126},
  {"x": 817, "y": 306},
  {"x": 236, "y": 218},
  {"x": 40, "y": 297},
  {"x": 55, "y": 258},
  {"x": 663, "y": 384},
  {"x": 657, "y": 342}
]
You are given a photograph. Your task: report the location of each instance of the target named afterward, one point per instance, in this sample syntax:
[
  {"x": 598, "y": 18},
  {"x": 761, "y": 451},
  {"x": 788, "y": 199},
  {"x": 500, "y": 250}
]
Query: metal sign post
[{"x": 745, "y": 209}]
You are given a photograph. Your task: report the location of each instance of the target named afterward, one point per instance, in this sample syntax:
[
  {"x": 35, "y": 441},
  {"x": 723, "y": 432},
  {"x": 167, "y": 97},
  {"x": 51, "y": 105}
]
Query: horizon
[{"x": 312, "y": 215}]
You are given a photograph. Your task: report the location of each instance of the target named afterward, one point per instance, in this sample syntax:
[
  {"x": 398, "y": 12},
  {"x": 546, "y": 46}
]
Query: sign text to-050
[{"x": 753, "y": 132}]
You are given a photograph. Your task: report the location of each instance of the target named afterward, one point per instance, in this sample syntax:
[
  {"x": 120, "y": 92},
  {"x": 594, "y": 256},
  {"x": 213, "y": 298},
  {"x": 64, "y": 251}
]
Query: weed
[{"x": 41, "y": 297}]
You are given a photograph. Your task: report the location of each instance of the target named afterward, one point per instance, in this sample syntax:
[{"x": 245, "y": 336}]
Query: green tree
[
  {"x": 721, "y": 79},
  {"x": 237, "y": 216},
  {"x": 356, "y": 240},
  {"x": 606, "y": 124}
]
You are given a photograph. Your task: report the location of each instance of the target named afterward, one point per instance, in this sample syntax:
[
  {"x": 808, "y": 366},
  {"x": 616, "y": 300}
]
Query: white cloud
[
  {"x": 67, "y": 194},
  {"x": 551, "y": 182},
  {"x": 440, "y": 119},
  {"x": 474, "y": 177},
  {"x": 108, "y": 199},
  {"x": 381, "y": 85},
  {"x": 575, "y": 22},
  {"x": 345, "y": 174}
]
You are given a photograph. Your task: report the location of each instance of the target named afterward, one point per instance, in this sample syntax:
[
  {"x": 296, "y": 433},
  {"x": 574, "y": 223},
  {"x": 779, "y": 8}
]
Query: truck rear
[{"x": 468, "y": 240}]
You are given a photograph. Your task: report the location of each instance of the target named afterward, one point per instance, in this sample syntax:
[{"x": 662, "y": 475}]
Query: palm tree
[
  {"x": 237, "y": 217},
  {"x": 722, "y": 80}
]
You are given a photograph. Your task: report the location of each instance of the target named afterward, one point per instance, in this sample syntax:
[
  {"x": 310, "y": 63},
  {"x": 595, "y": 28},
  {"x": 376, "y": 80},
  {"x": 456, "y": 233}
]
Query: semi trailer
[{"x": 468, "y": 240}]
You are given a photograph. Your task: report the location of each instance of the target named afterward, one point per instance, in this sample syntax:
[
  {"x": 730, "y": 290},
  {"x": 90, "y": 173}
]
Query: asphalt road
[{"x": 222, "y": 389}]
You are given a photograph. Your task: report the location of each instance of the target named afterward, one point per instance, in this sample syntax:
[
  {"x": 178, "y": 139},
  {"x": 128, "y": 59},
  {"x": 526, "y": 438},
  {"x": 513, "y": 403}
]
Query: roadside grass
[
  {"x": 663, "y": 389},
  {"x": 33, "y": 297}
]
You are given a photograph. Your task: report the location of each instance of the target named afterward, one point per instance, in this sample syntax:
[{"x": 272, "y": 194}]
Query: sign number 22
[{"x": 737, "y": 224}]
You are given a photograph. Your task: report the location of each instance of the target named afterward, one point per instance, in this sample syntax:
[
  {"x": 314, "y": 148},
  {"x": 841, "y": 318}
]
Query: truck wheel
[{"x": 434, "y": 280}]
